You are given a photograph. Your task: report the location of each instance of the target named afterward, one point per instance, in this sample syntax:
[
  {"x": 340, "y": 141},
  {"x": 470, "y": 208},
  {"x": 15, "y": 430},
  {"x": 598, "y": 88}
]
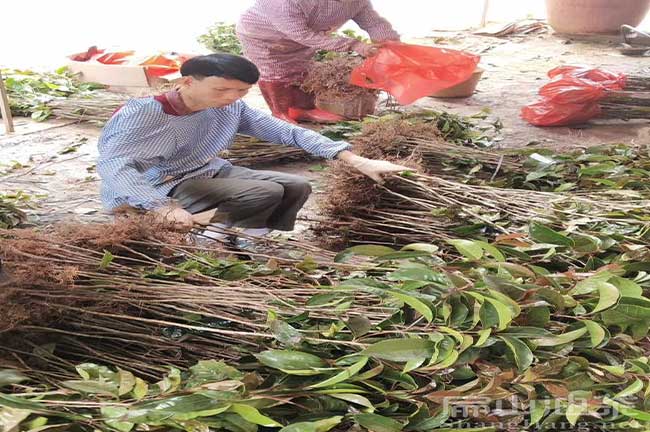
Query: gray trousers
[{"x": 246, "y": 198}]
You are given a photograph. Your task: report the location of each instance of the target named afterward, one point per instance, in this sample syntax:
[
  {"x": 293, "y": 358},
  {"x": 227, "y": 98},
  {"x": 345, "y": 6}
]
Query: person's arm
[
  {"x": 131, "y": 143},
  {"x": 288, "y": 18},
  {"x": 265, "y": 127},
  {"x": 378, "y": 28},
  {"x": 261, "y": 125}
]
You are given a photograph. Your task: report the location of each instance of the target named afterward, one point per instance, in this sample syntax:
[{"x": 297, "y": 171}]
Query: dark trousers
[{"x": 246, "y": 198}]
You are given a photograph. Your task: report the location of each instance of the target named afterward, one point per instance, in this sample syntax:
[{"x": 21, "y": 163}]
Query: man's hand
[
  {"x": 375, "y": 169},
  {"x": 178, "y": 217},
  {"x": 204, "y": 218}
]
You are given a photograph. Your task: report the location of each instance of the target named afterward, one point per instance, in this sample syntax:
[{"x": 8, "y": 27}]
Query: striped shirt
[
  {"x": 145, "y": 151},
  {"x": 282, "y": 36}
]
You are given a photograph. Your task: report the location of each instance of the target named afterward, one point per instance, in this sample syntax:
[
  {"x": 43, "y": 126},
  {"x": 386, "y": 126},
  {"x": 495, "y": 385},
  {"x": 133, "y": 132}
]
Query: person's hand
[
  {"x": 375, "y": 169},
  {"x": 204, "y": 218},
  {"x": 180, "y": 218},
  {"x": 367, "y": 50}
]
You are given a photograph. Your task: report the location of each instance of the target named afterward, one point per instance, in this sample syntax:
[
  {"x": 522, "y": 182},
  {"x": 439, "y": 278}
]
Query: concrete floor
[{"x": 64, "y": 186}]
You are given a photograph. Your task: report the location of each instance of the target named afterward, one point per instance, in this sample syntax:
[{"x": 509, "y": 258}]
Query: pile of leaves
[
  {"x": 221, "y": 38},
  {"x": 594, "y": 168},
  {"x": 31, "y": 92},
  {"x": 533, "y": 331}
]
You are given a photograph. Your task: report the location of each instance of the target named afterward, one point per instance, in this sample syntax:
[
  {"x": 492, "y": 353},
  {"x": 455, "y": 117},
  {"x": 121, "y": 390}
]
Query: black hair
[{"x": 221, "y": 65}]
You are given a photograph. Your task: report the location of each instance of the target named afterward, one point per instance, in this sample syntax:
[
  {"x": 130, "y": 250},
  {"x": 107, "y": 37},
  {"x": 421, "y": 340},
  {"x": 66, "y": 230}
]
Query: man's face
[{"x": 215, "y": 92}]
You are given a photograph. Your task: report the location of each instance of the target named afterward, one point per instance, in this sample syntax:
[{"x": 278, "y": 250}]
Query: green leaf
[
  {"x": 564, "y": 187},
  {"x": 413, "y": 364},
  {"x": 285, "y": 333},
  {"x": 421, "y": 247},
  {"x": 618, "y": 370},
  {"x": 491, "y": 250},
  {"x": 416, "y": 304},
  {"x": 111, "y": 413},
  {"x": 126, "y": 382},
  {"x": 211, "y": 371},
  {"x": 538, "y": 316},
  {"x": 631, "y": 313},
  {"x": 543, "y": 234},
  {"x": 11, "y": 418},
  {"x": 342, "y": 376},
  {"x": 323, "y": 425},
  {"x": 590, "y": 284},
  {"x": 416, "y": 273},
  {"x": 11, "y": 376},
  {"x": 522, "y": 354},
  {"x": 325, "y": 299},
  {"x": 355, "y": 399},
  {"x": 290, "y": 360},
  {"x": 628, "y": 411},
  {"x": 107, "y": 259},
  {"x": 538, "y": 409},
  {"x": 359, "y": 325},
  {"x": 596, "y": 332},
  {"x": 401, "y": 350},
  {"x": 627, "y": 287},
  {"x": 252, "y": 415},
  {"x": 630, "y": 390},
  {"x": 560, "y": 339},
  {"x": 504, "y": 313},
  {"x": 608, "y": 297},
  {"x": 468, "y": 248},
  {"x": 483, "y": 337},
  {"x": 574, "y": 411},
  {"x": 370, "y": 250},
  {"x": 180, "y": 408},
  {"x": 377, "y": 423},
  {"x": 92, "y": 387},
  {"x": 171, "y": 381},
  {"x": 141, "y": 389}
]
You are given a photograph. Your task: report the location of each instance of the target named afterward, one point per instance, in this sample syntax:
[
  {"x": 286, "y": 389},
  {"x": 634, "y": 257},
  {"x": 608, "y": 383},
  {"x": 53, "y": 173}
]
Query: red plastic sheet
[
  {"x": 611, "y": 80},
  {"x": 545, "y": 113},
  {"x": 157, "y": 65},
  {"x": 410, "y": 72},
  {"x": 573, "y": 95},
  {"x": 572, "y": 90}
]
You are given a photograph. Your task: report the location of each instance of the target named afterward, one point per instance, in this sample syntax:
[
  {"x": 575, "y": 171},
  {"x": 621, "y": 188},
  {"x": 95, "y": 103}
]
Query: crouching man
[{"x": 160, "y": 154}]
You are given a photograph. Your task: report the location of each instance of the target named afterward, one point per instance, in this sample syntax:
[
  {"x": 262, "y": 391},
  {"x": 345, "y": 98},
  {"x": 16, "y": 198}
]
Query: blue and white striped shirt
[{"x": 144, "y": 152}]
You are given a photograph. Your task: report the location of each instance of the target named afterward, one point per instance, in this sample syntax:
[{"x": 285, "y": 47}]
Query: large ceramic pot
[{"x": 595, "y": 16}]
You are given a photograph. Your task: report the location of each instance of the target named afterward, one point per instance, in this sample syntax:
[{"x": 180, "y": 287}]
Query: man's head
[{"x": 216, "y": 80}]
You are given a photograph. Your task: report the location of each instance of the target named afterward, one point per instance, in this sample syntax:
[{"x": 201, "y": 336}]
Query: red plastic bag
[
  {"x": 572, "y": 90},
  {"x": 610, "y": 80},
  {"x": 410, "y": 72},
  {"x": 545, "y": 113},
  {"x": 115, "y": 58},
  {"x": 164, "y": 64}
]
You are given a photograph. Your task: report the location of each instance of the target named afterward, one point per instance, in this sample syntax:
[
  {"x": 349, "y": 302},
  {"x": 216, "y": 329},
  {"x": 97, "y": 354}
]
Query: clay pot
[
  {"x": 595, "y": 16},
  {"x": 464, "y": 89}
]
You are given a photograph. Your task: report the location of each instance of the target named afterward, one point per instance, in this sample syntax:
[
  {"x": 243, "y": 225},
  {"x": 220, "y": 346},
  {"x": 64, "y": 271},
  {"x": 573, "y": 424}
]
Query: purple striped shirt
[{"x": 282, "y": 36}]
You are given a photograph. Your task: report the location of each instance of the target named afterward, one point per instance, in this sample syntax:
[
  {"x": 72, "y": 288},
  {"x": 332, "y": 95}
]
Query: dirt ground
[{"x": 52, "y": 164}]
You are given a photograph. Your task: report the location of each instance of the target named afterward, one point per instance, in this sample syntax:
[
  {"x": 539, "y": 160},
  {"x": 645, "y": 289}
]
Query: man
[
  {"x": 160, "y": 153},
  {"x": 282, "y": 36}
]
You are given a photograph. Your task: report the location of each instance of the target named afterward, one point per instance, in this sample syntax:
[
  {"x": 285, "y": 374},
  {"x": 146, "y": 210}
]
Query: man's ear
[{"x": 186, "y": 81}]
